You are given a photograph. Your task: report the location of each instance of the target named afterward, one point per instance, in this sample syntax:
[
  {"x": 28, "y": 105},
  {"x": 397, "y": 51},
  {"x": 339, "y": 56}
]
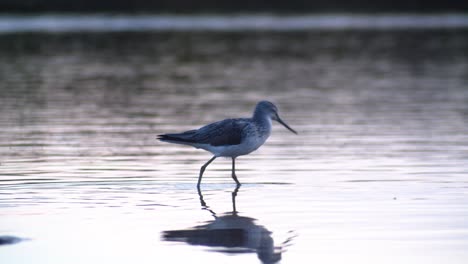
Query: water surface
[
  {"x": 236, "y": 22},
  {"x": 377, "y": 174}
]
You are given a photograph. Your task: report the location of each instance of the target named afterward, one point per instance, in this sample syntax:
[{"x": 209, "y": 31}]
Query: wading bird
[{"x": 231, "y": 137}]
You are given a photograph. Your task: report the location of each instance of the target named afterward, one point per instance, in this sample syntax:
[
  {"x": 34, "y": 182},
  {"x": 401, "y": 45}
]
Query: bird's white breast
[{"x": 253, "y": 137}]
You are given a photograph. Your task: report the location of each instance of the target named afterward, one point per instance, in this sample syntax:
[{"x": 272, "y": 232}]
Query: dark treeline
[{"x": 187, "y": 6}]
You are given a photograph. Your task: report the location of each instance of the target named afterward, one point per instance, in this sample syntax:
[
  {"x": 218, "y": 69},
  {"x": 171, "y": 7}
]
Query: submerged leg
[
  {"x": 234, "y": 171},
  {"x": 203, "y": 169}
]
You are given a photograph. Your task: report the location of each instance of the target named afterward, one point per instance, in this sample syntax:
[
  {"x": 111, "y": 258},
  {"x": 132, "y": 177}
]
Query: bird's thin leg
[
  {"x": 234, "y": 171},
  {"x": 203, "y": 169},
  {"x": 234, "y": 194}
]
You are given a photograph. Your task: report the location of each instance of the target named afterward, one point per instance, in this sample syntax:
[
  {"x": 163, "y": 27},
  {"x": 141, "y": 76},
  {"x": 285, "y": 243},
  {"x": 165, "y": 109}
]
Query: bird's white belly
[{"x": 248, "y": 145}]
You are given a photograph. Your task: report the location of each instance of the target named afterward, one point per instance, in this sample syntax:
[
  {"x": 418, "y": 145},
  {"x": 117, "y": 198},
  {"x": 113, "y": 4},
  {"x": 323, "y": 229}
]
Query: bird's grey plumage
[
  {"x": 231, "y": 137},
  {"x": 221, "y": 133}
]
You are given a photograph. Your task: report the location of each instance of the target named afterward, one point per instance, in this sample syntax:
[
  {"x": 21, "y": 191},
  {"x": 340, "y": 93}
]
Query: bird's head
[{"x": 269, "y": 109}]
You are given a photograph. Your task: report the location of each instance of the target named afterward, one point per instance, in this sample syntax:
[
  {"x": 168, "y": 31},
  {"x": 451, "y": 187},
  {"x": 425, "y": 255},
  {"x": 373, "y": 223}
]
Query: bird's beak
[{"x": 284, "y": 124}]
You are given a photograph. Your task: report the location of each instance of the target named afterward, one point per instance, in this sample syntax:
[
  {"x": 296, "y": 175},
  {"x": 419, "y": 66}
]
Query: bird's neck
[
  {"x": 259, "y": 114},
  {"x": 262, "y": 120}
]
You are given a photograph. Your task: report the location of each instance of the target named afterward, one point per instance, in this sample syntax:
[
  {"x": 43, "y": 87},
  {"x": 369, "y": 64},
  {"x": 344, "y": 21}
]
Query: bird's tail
[{"x": 179, "y": 138}]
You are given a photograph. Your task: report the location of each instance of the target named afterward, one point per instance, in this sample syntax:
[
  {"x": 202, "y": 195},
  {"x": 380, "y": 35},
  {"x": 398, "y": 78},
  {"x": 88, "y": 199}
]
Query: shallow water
[
  {"x": 378, "y": 172},
  {"x": 234, "y": 22}
]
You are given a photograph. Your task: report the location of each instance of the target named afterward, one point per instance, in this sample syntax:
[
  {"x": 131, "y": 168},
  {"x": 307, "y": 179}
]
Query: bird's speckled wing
[{"x": 225, "y": 132}]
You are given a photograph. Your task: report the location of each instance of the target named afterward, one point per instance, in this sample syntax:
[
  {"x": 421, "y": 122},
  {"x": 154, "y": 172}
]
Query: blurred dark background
[{"x": 277, "y": 6}]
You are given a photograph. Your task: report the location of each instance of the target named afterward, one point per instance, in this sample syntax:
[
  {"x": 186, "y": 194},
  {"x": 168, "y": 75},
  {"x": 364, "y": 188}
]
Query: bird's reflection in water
[{"x": 230, "y": 233}]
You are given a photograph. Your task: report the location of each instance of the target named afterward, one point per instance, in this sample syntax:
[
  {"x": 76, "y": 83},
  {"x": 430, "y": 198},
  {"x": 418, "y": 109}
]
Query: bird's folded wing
[{"x": 226, "y": 132}]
